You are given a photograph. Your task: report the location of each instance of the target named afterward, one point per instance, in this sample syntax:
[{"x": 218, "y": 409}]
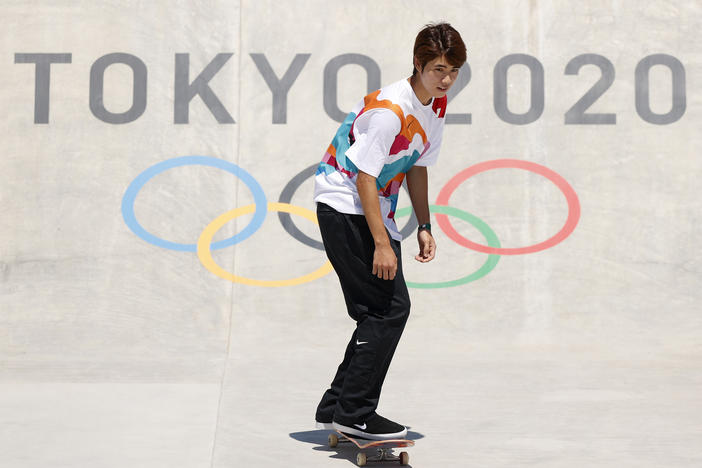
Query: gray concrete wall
[{"x": 159, "y": 360}]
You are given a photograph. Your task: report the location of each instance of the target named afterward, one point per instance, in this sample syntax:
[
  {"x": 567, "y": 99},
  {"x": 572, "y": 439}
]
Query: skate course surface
[{"x": 164, "y": 297}]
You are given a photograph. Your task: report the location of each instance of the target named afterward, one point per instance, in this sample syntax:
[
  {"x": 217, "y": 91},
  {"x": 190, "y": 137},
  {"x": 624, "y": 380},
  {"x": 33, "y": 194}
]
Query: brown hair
[{"x": 435, "y": 40}]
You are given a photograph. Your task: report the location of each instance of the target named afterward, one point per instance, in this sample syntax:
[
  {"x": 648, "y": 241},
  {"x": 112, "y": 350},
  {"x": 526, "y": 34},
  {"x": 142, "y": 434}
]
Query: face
[{"x": 438, "y": 76}]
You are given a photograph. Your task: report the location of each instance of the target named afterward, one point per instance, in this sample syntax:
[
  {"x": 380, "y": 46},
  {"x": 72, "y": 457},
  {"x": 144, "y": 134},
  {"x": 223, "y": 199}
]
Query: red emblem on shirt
[{"x": 439, "y": 107}]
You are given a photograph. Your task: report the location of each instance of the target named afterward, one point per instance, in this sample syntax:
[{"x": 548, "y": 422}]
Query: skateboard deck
[{"x": 385, "y": 452}]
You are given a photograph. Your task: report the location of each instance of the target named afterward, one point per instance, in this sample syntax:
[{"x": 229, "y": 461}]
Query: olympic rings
[
  {"x": 560, "y": 182},
  {"x": 260, "y": 207},
  {"x": 205, "y": 255},
  {"x": 286, "y": 197},
  {"x": 136, "y": 185},
  {"x": 484, "y": 229}
]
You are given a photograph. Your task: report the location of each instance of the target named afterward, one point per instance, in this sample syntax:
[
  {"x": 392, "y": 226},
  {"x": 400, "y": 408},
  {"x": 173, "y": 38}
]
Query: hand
[
  {"x": 427, "y": 246},
  {"x": 384, "y": 262}
]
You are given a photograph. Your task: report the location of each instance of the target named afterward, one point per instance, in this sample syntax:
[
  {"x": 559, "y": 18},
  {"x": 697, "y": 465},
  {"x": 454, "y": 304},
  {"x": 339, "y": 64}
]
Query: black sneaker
[{"x": 375, "y": 427}]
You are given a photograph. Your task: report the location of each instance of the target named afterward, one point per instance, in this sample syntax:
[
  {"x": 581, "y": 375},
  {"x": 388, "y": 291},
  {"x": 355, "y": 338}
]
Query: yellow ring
[{"x": 205, "y": 254}]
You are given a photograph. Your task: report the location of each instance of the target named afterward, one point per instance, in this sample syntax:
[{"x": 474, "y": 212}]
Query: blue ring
[{"x": 136, "y": 185}]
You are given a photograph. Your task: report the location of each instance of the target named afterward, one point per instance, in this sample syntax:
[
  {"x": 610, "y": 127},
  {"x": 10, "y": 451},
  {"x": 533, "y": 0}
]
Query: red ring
[{"x": 560, "y": 182}]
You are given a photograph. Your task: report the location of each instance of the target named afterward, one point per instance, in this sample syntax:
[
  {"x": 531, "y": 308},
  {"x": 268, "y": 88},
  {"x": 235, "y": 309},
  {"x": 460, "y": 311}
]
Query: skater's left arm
[{"x": 417, "y": 186}]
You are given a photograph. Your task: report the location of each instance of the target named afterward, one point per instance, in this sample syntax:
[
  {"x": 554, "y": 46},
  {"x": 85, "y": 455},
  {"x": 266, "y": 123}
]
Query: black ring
[
  {"x": 286, "y": 220},
  {"x": 286, "y": 197}
]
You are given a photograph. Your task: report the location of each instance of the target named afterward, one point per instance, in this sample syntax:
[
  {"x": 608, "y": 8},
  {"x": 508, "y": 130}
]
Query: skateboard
[{"x": 385, "y": 453}]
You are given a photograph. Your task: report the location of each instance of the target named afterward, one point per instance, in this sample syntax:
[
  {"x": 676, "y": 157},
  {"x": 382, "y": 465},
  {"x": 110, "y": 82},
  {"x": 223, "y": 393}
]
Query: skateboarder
[{"x": 393, "y": 133}]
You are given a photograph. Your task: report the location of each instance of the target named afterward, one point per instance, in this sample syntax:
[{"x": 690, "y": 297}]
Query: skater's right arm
[
  {"x": 374, "y": 132},
  {"x": 384, "y": 259}
]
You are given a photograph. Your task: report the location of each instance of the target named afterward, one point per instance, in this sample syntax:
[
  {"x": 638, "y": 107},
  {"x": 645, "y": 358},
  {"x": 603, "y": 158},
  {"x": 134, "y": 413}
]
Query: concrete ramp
[{"x": 558, "y": 326}]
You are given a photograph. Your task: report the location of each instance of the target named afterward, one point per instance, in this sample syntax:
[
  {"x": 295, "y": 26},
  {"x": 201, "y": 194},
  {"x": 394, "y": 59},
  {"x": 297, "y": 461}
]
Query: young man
[{"x": 392, "y": 133}]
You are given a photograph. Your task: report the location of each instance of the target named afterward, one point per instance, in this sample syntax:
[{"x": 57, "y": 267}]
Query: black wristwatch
[{"x": 425, "y": 226}]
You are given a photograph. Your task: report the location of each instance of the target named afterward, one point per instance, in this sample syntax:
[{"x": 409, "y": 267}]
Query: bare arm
[
  {"x": 384, "y": 259},
  {"x": 417, "y": 186}
]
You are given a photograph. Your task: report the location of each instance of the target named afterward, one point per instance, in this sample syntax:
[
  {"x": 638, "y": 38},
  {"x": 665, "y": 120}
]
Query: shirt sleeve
[
  {"x": 432, "y": 155},
  {"x": 374, "y": 132}
]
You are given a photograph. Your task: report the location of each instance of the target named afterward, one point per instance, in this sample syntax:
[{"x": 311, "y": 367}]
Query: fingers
[
  {"x": 385, "y": 265},
  {"x": 386, "y": 272},
  {"x": 423, "y": 258},
  {"x": 427, "y": 249},
  {"x": 431, "y": 252}
]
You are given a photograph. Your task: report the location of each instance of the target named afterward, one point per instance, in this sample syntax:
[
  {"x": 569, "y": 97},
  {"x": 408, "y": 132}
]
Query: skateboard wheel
[
  {"x": 333, "y": 440},
  {"x": 361, "y": 459},
  {"x": 404, "y": 458}
]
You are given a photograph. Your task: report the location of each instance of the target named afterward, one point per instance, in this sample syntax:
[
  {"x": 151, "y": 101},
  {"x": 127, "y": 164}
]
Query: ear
[{"x": 416, "y": 64}]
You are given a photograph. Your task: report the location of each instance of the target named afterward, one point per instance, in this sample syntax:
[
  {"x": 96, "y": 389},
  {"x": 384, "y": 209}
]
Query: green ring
[{"x": 479, "y": 224}]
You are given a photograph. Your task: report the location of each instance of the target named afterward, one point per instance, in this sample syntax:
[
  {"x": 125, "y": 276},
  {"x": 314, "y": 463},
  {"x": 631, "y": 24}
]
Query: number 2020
[{"x": 577, "y": 114}]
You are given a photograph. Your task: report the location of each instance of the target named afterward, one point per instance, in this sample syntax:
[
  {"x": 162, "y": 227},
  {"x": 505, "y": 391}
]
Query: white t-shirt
[{"x": 384, "y": 135}]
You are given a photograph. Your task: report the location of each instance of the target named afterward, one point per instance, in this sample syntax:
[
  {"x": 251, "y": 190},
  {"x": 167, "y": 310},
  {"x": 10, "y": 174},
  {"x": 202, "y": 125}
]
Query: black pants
[{"x": 379, "y": 307}]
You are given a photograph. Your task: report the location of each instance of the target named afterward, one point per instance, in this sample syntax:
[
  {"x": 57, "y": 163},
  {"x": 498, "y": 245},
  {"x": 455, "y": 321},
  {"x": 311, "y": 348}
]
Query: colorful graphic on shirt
[
  {"x": 335, "y": 157},
  {"x": 391, "y": 176}
]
